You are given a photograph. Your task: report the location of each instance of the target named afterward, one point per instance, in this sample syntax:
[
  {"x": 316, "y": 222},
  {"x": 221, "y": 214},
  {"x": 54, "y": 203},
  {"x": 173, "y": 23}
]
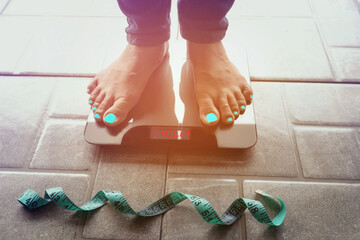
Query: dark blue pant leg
[
  {"x": 149, "y": 21},
  {"x": 203, "y": 21}
]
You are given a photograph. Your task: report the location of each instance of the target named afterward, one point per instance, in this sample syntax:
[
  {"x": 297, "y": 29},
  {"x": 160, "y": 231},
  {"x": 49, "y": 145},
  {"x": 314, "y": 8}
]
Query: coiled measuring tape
[{"x": 31, "y": 200}]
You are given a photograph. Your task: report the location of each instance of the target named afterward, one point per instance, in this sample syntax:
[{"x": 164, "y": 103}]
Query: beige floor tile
[
  {"x": 347, "y": 63},
  {"x": 339, "y": 21},
  {"x": 314, "y": 211},
  {"x": 328, "y": 152},
  {"x": 72, "y": 45},
  {"x": 296, "y": 8},
  {"x": 282, "y": 49},
  {"x": 47, "y": 222},
  {"x": 331, "y": 8},
  {"x": 105, "y": 8},
  {"x": 70, "y": 99},
  {"x": 323, "y": 104},
  {"x": 48, "y": 7},
  {"x": 341, "y": 31},
  {"x": 62, "y": 146},
  {"x": 139, "y": 174},
  {"x": 184, "y": 222},
  {"x": 24, "y": 101},
  {"x": 16, "y": 33}
]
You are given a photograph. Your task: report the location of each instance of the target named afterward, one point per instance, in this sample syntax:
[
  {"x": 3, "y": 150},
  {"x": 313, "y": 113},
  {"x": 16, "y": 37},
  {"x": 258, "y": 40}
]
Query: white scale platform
[{"x": 167, "y": 112}]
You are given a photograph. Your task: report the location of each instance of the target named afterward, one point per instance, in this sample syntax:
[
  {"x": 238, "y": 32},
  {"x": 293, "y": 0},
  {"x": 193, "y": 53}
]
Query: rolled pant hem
[
  {"x": 147, "y": 40},
  {"x": 203, "y": 37}
]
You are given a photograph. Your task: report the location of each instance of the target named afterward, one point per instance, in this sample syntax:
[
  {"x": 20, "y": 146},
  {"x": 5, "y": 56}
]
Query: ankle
[
  {"x": 143, "y": 54},
  {"x": 200, "y": 52},
  {"x": 160, "y": 48}
]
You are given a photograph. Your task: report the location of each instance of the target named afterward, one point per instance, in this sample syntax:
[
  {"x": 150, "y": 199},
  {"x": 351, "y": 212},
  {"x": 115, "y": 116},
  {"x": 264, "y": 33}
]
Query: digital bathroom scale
[{"x": 167, "y": 112}]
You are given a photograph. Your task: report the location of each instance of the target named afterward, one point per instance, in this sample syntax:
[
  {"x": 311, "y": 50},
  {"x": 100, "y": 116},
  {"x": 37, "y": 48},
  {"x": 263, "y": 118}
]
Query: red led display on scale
[{"x": 170, "y": 133}]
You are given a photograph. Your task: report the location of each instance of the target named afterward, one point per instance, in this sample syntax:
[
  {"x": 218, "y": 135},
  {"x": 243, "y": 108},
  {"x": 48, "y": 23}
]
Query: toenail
[
  {"x": 94, "y": 108},
  {"x": 243, "y": 107},
  {"x": 211, "y": 117},
  {"x": 110, "y": 118},
  {"x": 90, "y": 101},
  {"x": 251, "y": 96},
  {"x": 236, "y": 113},
  {"x": 229, "y": 119},
  {"x": 87, "y": 90},
  {"x": 97, "y": 116}
]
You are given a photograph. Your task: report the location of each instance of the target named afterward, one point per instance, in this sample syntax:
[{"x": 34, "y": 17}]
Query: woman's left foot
[{"x": 222, "y": 93}]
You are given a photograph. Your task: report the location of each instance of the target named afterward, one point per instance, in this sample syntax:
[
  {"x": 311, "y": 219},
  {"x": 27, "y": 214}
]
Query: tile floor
[{"x": 304, "y": 63}]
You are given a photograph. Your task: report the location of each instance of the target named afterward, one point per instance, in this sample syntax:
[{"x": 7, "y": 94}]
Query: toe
[
  {"x": 106, "y": 103},
  {"x": 209, "y": 115},
  {"x": 117, "y": 112},
  {"x": 94, "y": 94},
  {"x": 247, "y": 93},
  {"x": 227, "y": 116},
  {"x": 241, "y": 102},
  {"x": 98, "y": 101},
  {"x": 92, "y": 85},
  {"x": 233, "y": 105}
]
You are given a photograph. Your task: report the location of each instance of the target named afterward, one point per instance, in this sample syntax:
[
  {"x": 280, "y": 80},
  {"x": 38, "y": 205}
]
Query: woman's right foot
[{"x": 115, "y": 90}]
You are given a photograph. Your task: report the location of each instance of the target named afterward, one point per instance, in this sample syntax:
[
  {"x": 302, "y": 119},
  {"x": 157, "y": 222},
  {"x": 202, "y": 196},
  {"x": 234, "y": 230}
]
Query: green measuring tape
[{"x": 31, "y": 200}]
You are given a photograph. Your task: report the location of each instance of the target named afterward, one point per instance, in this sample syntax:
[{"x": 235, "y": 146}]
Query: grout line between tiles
[
  {"x": 357, "y": 5},
  {"x": 357, "y": 135},
  {"x": 262, "y": 178},
  {"x": 41, "y": 126},
  {"x": 86, "y": 76},
  {"x": 339, "y": 46},
  {"x": 291, "y": 132},
  {"x": 305, "y": 80},
  {"x": 88, "y": 194},
  {"x": 47, "y": 75},
  {"x": 37, "y": 30},
  {"x": 4, "y": 7},
  {"x": 63, "y": 15},
  {"x": 43, "y": 76},
  {"x": 241, "y": 221},
  {"x": 75, "y": 118},
  {"x": 164, "y": 191},
  {"x": 324, "y": 43},
  {"x": 261, "y": 17},
  {"x": 327, "y": 125},
  {"x": 40, "y": 171}
]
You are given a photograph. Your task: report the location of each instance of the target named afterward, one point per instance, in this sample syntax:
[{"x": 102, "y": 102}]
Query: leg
[
  {"x": 149, "y": 21},
  {"x": 115, "y": 90},
  {"x": 221, "y": 91}
]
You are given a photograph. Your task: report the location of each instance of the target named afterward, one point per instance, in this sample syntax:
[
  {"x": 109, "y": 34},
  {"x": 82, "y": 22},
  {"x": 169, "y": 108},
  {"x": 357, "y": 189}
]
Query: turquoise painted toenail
[
  {"x": 90, "y": 101},
  {"x": 94, "y": 108},
  {"x": 243, "y": 107},
  {"x": 236, "y": 113},
  {"x": 211, "y": 117},
  {"x": 88, "y": 90},
  {"x": 110, "y": 118},
  {"x": 251, "y": 96},
  {"x": 97, "y": 116},
  {"x": 229, "y": 119}
]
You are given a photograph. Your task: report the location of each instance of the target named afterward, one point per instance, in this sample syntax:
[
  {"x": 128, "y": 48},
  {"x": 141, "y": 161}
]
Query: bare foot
[
  {"x": 115, "y": 90},
  {"x": 220, "y": 90}
]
